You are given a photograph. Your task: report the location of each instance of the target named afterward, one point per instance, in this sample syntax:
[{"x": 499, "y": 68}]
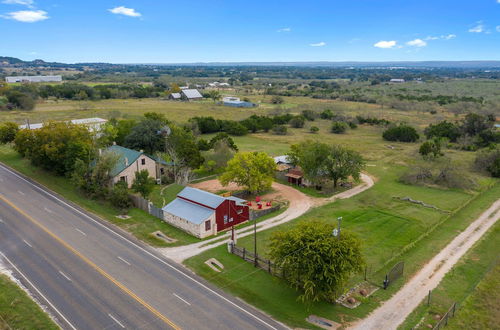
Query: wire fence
[{"x": 444, "y": 320}]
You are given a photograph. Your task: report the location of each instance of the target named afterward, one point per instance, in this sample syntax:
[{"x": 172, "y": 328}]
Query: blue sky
[{"x": 158, "y": 31}]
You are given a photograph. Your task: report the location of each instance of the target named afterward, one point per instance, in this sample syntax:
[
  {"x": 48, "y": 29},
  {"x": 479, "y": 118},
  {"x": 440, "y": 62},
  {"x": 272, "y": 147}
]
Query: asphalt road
[{"x": 91, "y": 275}]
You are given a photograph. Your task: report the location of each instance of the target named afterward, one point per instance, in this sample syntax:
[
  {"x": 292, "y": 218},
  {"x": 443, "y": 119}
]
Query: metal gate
[{"x": 394, "y": 273}]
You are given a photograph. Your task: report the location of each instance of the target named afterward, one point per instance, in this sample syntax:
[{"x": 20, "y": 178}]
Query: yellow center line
[{"x": 93, "y": 265}]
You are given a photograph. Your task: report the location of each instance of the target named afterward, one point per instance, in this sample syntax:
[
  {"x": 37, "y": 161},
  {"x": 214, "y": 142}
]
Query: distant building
[
  {"x": 33, "y": 79},
  {"x": 94, "y": 125},
  {"x": 203, "y": 214},
  {"x": 217, "y": 84},
  {"x": 397, "y": 81},
  {"x": 232, "y": 101},
  {"x": 132, "y": 161},
  {"x": 191, "y": 95},
  {"x": 175, "y": 96}
]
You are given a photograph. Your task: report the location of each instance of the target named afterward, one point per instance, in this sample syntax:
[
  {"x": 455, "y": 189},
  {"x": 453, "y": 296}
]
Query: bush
[
  {"x": 8, "y": 132},
  {"x": 353, "y": 125},
  {"x": 314, "y": 129},
  {"x": 280, "y": 130},
  {"x": 489, "y": 161},
  {"x": 401, "y": 133},
  {"x": 309, "y": 115},
  {"x": 443, "y": 129},
  {"x": 119, "y": 197},
  {"x": 339, "y": 127},
  {"x": 277, "y": 99},
  {"x": 297, "y": 122},
  {"x": 431, "y": 149},
  {"x": 326, "y": 114}
]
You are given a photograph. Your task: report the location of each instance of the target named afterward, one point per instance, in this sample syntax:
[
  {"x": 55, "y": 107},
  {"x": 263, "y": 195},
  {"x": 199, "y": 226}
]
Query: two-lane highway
[{"x": 92, "y": 276}]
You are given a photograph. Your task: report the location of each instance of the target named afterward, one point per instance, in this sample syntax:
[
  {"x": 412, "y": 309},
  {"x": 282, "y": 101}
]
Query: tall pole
[
  {"x": 255, "y": 240},
  {"x": 338, "y": 228}
]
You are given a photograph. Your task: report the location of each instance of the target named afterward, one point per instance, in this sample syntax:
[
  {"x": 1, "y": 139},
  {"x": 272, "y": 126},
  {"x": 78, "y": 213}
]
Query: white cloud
[
  {"x": 417, "y": 43},
  {"x": 125, "y": 11},
  {"x": 27, "y": 16},
  {"x": 319, "y": 44},
  {"x": 28, "y": 3},
  {"x": 385, "y": 44},
  {"x": 479, "y": 28},
  {"x": 286, "y": 29},
  {"x": 450, "y": 36}
]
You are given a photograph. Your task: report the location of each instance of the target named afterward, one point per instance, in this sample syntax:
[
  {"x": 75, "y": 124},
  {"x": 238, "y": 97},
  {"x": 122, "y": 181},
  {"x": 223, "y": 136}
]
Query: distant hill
[{"x": 402, "y": 64}]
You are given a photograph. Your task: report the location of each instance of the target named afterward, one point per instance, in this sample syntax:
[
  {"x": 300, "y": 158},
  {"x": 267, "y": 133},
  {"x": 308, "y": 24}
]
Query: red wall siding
[{"x": 229, "y": 208}]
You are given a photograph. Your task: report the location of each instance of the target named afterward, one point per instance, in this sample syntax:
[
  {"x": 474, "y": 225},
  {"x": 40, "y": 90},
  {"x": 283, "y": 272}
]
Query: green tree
[
  {"x": 143, "y": 183},
  {"x": 146, "y": 136},
  {"x": 431, "y": 148},
  {"x": 474, "y": 123},
  {"x": 339, "y": 127},
  {"x": 342, "y": 163},
  {"x": 443, "y": 129},
  {"x": 489, "y": 161},
  {"x": 157, "y": 117},
  {"x": 252, "y": 170},
  {"x": 214, "y": 95},
  {"x": 401, "y": 133},
  {"x": 55, "y": 146},
  {"x": 310, "y": 156},
  {"x": 315, "y": 261},
  {"x": 174, "y": 88},
  {"x": 8, "y": 131}
]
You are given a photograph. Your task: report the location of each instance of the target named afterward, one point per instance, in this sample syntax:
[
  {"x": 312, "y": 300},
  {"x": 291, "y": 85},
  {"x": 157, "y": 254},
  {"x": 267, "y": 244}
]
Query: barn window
[
  {"x": 225, "y": 219},
  {"x": 123, "y": 178},
  {"x": 143, "y": 161},
  {"x": 230, "y": 219},
  {"x": 207, "y": 225},
  {"x": 240, "y": 211}
]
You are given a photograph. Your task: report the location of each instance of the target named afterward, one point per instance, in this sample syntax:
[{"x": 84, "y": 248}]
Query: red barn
[{"x": 203, "y": 214}]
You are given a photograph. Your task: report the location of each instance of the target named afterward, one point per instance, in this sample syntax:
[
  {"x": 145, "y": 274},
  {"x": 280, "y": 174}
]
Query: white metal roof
[{"x": 192, "y": 93}]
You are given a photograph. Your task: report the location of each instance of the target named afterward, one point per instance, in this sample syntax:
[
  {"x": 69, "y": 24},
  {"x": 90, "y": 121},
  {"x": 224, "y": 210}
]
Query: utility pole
[{"x": 255, "y": 240}]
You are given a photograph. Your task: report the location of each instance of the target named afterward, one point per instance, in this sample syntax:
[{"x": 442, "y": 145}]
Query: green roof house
[{"x": 132, "y": 161}]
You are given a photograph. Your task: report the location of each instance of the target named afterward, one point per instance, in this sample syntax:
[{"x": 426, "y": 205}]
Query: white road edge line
[
  {"x": 28, "y": 244},
  {"x": 125, "y": 261},
  {"x": 34, "y": 287},
  {"x": 81, "y": 232},
  {"x": 47, "y": 210},
  {"x": 142, "y": 249},
  {"x": 182, "y": 299},
  {"x": 114, "y": 319},
  {"x": 65, "y": 276},
  {"x": 19, "y": 191}
]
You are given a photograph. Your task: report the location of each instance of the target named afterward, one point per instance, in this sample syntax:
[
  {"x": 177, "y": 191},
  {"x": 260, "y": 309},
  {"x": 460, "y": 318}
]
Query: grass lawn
[
  {"x": 141, "y": 224},
  {"x": 388, "y": 229},
  {"x": 18, "y": 310},
  {"x": 474, "y": 283},
  {"x": 162, "y": 195}
]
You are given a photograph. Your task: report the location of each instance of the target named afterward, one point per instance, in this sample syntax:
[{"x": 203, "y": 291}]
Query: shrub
[
  {"x": 353, "y": 125},
  {"x": 119, "y": 197},
  {"x": 277, "y": 99},
  {"x": 443, "y": 129},
  {"x": 297, "y": 122},
  {"x": 431, "y": 149},
  {"x": 280, "y": 130},
  {"x": 489, "y": 161},
  {"x": 309, "y": 115},
  {"x": 8, "y": 132},
  {"x": 326, "y": 114},
  {"x": 401, "y": 133},
  {"x": 339, "y": 127},
  {"x": 314, "y": 129}
]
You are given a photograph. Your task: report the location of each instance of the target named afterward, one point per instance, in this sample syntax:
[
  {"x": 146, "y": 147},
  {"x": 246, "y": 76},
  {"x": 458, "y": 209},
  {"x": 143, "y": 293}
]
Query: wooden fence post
[
  {"x": 429, "y": 298},
  {"x": 269, "y": 265},
  {"x": 244, "y": 252}
]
